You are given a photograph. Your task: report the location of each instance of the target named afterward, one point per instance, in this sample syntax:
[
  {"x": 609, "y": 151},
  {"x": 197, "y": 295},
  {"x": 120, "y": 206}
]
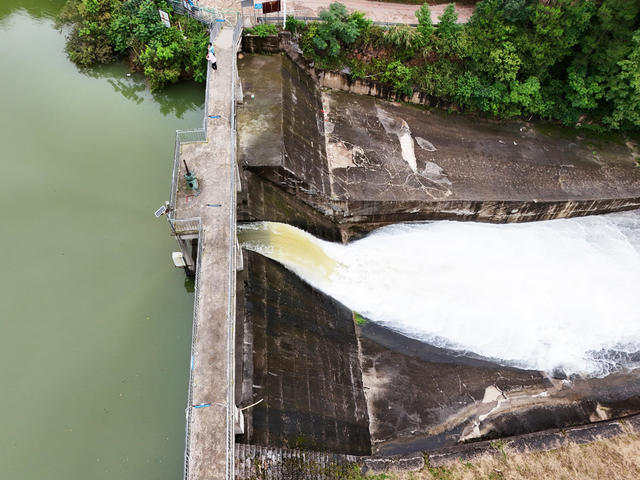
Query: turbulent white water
[{"x": 561, "y": 293}]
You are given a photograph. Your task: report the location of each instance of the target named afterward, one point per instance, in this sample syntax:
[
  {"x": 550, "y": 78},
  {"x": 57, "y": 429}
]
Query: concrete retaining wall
[
  {"x": 268, "y": 44},
  {"x": 254, "y": 462}
]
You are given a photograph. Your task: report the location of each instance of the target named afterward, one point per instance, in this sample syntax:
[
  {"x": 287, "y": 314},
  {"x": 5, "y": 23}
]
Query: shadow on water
[
  {"x": 175, "y": 100},
  {"x": 189, "y": 284},
  {"x": 36, "y": 8}
]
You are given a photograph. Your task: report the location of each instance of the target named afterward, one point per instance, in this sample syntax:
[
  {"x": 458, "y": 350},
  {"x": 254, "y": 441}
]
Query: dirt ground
[{"x": 376, "y": 11}]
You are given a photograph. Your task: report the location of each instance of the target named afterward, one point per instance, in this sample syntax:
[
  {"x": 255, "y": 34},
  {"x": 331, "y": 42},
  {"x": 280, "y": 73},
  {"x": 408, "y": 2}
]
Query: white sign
[{"x": 164, "y": 18}]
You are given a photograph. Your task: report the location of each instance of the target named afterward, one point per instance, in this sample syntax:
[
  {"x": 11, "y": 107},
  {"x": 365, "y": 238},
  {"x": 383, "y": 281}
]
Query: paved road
[{"x": 378, "y": 11}]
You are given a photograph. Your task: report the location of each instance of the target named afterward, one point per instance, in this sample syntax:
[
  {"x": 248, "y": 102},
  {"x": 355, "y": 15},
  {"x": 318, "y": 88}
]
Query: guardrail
[
  {"x": 194, "y": 333},
  {"x": 231, "y": 307}
]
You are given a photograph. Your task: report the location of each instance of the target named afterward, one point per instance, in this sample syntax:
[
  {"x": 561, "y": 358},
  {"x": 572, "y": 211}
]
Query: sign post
[{"x": 164, "y": 18}]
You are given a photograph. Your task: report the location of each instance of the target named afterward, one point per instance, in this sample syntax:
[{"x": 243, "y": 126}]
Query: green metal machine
[{"x": 192, "y": 181}]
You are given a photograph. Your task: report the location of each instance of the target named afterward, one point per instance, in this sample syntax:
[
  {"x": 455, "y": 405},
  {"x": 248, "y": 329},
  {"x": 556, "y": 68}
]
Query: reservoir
[{"x": 96, "y": 321}]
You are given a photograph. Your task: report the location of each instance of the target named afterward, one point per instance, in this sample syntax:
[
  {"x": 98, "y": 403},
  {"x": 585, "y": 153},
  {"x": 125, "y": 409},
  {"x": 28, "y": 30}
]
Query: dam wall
[
  {"x": 301, "y": 365},
  {"x": 364, "y": 163},
  {"x": 338, "y": 166}
]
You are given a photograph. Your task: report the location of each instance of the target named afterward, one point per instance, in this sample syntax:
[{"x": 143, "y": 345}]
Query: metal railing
[
  {"x": 231, "y": 308},
  {"x": 194, "y": 334}
]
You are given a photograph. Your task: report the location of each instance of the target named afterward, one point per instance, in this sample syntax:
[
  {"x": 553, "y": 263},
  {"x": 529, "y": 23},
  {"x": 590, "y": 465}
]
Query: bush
[
  {"x": 263, "y": 30},
  {"x": 338, "y": 27},
  {"x": 293, "y": 25},
  {"x": 400, "y": 77},
  {"x": 404, "y": 39}
]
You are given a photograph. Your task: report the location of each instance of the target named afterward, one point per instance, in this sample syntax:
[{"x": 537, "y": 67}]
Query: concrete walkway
[{"x": 212, "y": 374}]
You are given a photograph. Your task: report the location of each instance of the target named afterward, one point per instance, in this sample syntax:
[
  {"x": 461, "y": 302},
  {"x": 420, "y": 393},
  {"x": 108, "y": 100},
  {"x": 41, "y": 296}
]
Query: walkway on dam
[{"x": 210, "y": 435}]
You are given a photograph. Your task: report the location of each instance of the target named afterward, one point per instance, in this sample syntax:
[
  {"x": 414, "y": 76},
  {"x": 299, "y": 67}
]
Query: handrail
[
  {"x": 194, "y": 333},
  {"x": 231, "y": 307}
]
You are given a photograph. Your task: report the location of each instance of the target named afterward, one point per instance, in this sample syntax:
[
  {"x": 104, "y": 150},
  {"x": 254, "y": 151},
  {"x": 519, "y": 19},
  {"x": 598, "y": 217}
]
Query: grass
[
  {"x": 359, "y": 319},
  {"x": 614, "y": 459}
]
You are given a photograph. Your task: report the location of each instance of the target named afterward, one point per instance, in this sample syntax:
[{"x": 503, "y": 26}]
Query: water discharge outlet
[{"x": 543, "y": 295}]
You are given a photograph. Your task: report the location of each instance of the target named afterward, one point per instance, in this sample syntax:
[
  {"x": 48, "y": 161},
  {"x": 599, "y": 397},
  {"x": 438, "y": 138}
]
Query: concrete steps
[{"x": 254, "y": 462}]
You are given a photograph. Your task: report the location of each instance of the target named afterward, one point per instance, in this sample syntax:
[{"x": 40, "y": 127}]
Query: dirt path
[{"x": 376, "y": 11}]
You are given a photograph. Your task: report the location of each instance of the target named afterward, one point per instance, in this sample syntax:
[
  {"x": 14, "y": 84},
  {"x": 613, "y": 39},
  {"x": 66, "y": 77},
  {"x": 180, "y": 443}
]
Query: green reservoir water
[{"x": 95, "y": 322}]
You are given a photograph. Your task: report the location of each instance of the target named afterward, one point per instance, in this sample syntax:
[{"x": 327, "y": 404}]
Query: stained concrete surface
[
  {"x": 422, "y": 397},
  {"x": 362, "y": 160},
  {"x": 305, "y": 365}
]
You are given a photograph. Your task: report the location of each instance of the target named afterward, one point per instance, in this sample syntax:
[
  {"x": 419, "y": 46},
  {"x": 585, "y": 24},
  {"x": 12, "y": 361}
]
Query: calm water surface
[{"x": 95, "y": 321}]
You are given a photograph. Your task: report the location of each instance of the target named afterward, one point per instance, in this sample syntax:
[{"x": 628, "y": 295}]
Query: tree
[
  {"x": 624, "y": 91},
  {"x": 336, "y": 27},
  {"x": 103, "y": 28},
  {"x": 449, "y": 29},
  {"x": 88, "y": 42},
  {"x": 425, "y": 25}
]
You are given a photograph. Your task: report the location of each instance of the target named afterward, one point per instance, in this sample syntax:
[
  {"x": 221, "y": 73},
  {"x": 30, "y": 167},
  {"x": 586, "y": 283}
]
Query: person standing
[{"x": 212, "y": 58}]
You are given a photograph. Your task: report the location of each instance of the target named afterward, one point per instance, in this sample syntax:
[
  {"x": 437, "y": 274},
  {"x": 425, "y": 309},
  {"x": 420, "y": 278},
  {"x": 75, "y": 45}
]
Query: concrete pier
[{"x": 211, "y": 410}]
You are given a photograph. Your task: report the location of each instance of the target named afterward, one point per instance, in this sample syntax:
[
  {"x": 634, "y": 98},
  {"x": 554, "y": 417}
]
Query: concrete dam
[{"x": 342, "y": 355}]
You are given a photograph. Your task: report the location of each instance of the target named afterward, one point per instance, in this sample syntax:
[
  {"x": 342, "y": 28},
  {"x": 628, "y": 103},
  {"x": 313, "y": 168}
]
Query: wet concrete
[
  {"x": 422, "y": 397},
  {"x": 261, "y": 199},
  {"x": 305, "y": 365},
  {"x": 365, "y": 162}
]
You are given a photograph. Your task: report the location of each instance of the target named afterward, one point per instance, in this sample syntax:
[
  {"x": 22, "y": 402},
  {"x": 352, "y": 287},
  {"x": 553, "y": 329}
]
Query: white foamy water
[{"x": 561, "y": 293}]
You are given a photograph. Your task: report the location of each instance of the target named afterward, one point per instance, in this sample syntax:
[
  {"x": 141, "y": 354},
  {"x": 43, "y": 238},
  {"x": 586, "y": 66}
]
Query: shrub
[
  {"x": 425, "y": 25},
  {"x": 400, "y": 77},
  {"x": 338, "y": 27},
  {"x": 404, "y": 38},
  {"x": 263, "y": 30},
  {"x": 293, "y": 25}
]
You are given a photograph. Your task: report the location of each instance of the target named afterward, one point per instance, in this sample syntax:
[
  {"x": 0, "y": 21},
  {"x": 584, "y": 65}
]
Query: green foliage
[
  {"x": 354, "y": 473},
  {"x": 425, "y": 25},
  {"x": 263, "y": 30},
  {"x": 449, "y": 29},
  {"x": 399, "y": 77},
  {"x": 624, "y": 91},
  {"x": 403, "y": 38},
  {"x": 564, "y": 60},
  {"x": 88, "y": 42},
  {"x": 293, "y": 25},
  {"x": 103, "y": 29},
  {"x": 359, "y": 319},
  {"x": 338, "y": 28},
  {"x": 306, "y": 40}
]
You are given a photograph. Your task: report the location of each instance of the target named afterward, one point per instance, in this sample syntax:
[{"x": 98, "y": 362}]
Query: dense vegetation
[
  {"x": 573, "y": 61},
  {"x": 262, "y": 30},
  {"x": 102, "y": 30}
]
